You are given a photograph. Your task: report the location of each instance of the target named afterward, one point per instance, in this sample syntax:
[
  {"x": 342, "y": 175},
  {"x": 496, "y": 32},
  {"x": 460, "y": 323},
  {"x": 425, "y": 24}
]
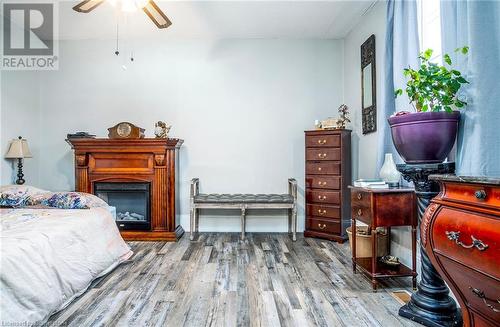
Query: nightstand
[{"x": 394, "y": 207}]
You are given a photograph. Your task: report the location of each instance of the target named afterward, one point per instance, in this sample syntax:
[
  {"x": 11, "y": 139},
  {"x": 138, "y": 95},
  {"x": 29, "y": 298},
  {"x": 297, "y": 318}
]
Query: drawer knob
[
  {"x": 480, "y": 294},
  {"x": 322, "y": 155},
  {"x": 480, "y": 194},
  {"x": 320, "y": 183},
  {"x": 360, "y": 196},
  {"x": 319, "y": 168},
  {"x": 360, "y": 212},
  {"x": 321, "y": 226},
  {"x": 321, "y": 212},
  {"x": 321, "y": 141},
  {"x": 478, "y": 244},
  {"x": 321, "y": 197}
]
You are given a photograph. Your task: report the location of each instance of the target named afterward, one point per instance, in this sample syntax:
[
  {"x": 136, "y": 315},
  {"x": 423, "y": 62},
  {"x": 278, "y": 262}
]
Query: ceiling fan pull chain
[{"x": 117, "y": 52}]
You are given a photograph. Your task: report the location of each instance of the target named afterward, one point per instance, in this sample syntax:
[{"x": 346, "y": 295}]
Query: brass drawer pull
[
  {"x": 321, "y": 141},
  {"x": 360, "y": 212},
  {"x": 322, "y": 226},
  {"x": 478, "y": 244},
  {"x": 319, "y": 168},
  {"x": 321, "y": 212},
  {"x": 320, "y": 183},
  {"x": 321, "y": 197},
  {"x": 480, "y": 294},
  {"x": 360, "y": 196},
  {"x": 480, "y": 194},
  {"x": 322, "y": 155}
]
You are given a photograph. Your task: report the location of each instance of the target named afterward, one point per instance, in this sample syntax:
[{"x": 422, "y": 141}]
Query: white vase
[{"x": 389, "y": 172}]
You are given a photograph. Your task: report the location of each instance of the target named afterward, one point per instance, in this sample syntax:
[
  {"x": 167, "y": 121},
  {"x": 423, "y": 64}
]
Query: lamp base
[{"x": 20, "y": 176}]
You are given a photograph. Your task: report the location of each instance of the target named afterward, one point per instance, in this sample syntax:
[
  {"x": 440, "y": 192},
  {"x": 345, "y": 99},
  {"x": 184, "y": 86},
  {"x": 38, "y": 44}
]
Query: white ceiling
[{"x": 220, "y": 19}]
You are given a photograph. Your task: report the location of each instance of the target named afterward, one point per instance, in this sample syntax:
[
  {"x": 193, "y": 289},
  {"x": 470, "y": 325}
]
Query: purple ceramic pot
[{"x": 424, "y": 137}]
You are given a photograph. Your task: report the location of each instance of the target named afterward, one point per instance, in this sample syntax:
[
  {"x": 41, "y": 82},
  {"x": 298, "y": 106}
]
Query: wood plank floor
[{"x": 217, "y": 280}]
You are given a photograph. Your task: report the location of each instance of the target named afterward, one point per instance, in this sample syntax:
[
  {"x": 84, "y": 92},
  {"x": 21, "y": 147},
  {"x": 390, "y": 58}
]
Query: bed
[{"x": 50, "y": 256}]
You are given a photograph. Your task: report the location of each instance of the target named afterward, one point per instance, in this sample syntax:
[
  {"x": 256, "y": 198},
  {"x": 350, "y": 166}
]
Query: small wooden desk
[{"x": 387, "y": 208}]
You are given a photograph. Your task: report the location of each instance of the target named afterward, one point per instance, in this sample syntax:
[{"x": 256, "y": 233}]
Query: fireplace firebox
[{"x": 132, "y": 203}]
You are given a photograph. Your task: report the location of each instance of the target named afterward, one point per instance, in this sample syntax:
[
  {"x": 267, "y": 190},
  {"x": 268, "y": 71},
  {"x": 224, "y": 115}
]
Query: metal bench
[{"x": 244, "y": 202}]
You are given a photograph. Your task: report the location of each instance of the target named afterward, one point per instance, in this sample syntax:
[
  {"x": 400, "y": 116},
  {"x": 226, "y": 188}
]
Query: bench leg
[
  {"x": 191, "y": 224},
  {"x": 196, "y": 220},
  {"x": 243, "y": 223},
  {"x": 290, "y": 223},
  {"x": 294, "y": 223}
]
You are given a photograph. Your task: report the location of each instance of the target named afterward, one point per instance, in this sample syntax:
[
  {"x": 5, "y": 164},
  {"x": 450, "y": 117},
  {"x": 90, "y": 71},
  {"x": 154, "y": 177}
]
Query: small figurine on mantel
[{"x": 161, "y": 130}]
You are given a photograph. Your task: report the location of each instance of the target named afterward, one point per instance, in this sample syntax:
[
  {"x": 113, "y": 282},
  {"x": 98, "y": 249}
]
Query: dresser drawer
[
  {"x": 480, "y": 195},
  {"x": 323, "y": 154},
  {"x": 323, "y": 168},
  {"x": 360, "y": 198},
  {"x": 328, "y": 197},
  {"x": 323, "y": 225},
  {"x": 476, "y": 287},
  {"x": 325, "y": 182},
  {"x": 323, "y": 140},
  {"x": 323, "y": 211},
  {"x": 453, "y": 234}
]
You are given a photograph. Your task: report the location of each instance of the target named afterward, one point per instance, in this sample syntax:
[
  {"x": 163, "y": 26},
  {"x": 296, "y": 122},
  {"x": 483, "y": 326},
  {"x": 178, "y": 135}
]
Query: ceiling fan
[{"x": 148, "y": 6}]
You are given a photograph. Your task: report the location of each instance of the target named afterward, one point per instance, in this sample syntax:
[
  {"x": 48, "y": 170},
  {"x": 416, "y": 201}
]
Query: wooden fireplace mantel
[{"x": 134, "y": 160}]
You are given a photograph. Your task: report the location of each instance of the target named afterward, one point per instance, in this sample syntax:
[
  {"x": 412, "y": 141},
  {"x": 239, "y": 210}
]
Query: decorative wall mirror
[{"x": 368, "y": 86}]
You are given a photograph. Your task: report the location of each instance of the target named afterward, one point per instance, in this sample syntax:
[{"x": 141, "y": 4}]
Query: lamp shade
[{"x": 19, "y": 149}]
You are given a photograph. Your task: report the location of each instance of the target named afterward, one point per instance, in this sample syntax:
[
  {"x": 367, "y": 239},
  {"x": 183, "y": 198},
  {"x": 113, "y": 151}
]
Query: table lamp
[{"x": 19, "y": 150}]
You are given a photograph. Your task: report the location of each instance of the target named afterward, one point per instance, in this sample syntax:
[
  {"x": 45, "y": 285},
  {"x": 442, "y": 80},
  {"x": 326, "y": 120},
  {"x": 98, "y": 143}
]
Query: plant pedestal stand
[{"x": 431, "y": 305}]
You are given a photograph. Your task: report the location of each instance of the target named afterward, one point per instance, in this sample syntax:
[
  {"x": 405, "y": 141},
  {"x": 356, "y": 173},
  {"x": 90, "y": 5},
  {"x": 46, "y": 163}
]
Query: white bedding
[{"x": 50, "y": 256}]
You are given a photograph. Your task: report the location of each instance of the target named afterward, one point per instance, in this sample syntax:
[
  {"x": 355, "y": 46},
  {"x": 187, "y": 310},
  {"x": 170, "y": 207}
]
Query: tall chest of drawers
[
  {"x": 328, "y": 175},
  {"x": 460, "y": 231}
]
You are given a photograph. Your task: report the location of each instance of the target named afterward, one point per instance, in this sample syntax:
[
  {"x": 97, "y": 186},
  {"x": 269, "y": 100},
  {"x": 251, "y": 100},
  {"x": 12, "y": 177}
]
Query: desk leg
[
  {"x": 191, "y": 225},
  {"x": 243, "y": 223},
  {"x": 374, "y": 257},
  {"x": 353, "y": 237}
]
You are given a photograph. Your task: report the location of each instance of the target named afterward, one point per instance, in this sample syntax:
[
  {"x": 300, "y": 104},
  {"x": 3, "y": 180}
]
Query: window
[{"x": 429, "y": 27}]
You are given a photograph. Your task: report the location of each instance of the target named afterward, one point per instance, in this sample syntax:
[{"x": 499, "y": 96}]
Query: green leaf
[
  {"x": 425, "y": 107},
  {"x": 456, "y": 72},
  {"x": 428, "y": 54},
  {"x": 398, "y": 92},
  {"x": 447, "y": 59},
  {"x": 462, "y": 80}
]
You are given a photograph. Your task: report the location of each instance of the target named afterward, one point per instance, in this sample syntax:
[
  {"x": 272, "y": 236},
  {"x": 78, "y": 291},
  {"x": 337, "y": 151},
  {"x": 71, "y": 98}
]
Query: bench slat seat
[{"x": 243, "y": 198}]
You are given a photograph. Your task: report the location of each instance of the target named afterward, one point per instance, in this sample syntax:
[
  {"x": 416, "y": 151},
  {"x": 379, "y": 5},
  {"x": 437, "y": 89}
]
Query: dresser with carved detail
[
  {"x": 461, "y": 233},
  {"x": 328, "y": 174}
]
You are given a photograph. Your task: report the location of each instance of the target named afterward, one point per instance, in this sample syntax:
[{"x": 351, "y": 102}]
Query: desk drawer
[
  {"x": 360, "y": 198},
  {"x": 323, "y": 141},
  {"x": 479, "y": 291},
  {"x": 328, "y": 197},
  {"x": 363, "y": 214},
  {"x": 323, "y": 168},
  {"x": 323, "y": 154},
  {"x": 453, "y": 235},
  {"x": 324, "y": 182},
  {"x": 323, "y": 211},
  {"x": 323, "y": 225}
]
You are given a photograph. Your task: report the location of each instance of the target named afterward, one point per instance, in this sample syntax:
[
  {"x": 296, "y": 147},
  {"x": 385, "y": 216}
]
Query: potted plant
[{"x": 428, "y": 135}]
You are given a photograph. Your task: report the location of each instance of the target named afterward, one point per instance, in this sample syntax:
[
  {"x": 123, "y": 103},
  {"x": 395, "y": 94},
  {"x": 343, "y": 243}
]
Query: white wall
[
  {"x": 365, "y": 146},
  {"x": 20, "y": 116},
  {"x": 240, "y": 105}
]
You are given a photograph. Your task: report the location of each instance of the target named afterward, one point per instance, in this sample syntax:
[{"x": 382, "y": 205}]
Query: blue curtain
[
  {"x": 476, "y": 24},
  {"x": 401, "y": 51}
]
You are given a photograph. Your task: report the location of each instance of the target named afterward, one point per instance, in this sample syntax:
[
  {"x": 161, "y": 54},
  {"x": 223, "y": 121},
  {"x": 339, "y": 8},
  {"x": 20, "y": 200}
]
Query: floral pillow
[
  {"x": 73, "y": 200},
  {"x": 20, "y": 195}
]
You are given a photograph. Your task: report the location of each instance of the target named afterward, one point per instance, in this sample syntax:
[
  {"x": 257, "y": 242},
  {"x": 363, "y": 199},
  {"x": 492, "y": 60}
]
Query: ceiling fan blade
[
  {"x": 87, "y": 5},
  {"x": 156, "y": 15}
]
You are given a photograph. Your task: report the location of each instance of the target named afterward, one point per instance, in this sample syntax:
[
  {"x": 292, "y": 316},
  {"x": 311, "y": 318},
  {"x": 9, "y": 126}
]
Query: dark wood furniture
[
  {"x": 155, "y": 161},
  {"x": 384, "y": 208},
  {"x": 461, "y": 234},
  {"x": 328, "y": 174},
  {"x": 431, "y": 305}
]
